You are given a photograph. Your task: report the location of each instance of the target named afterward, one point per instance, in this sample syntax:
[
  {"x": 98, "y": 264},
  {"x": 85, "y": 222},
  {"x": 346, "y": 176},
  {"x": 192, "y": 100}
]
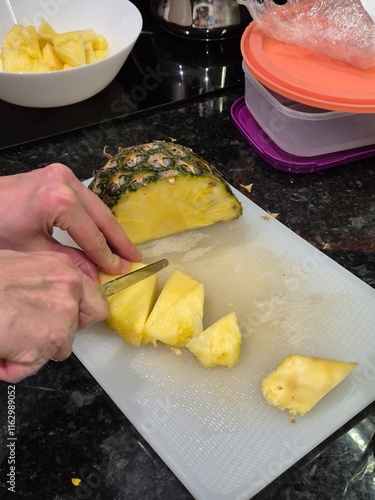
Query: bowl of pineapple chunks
[{"x": 59, "y": 52}]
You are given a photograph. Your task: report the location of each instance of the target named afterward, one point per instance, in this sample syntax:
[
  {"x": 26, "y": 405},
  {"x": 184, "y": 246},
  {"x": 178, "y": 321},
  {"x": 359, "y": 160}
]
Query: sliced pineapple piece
[
  {"x": 71, "y": 52},
  {"x": 100, "y": 54},
  {"x": 51, "y": 50},
  {"x": 299, "y": 382},
  {"x": 219, "y": 344},
  {"x": 13, "y": 34},
  {"x": 178, "y": 312},
  {"x": 50, "y": 57},
  {"x": 28, "y": 42},
  {"x": 46, "y": 31},
  {"x": 129, "y": 309},
  {"x": 100, "y": 43},
  {"x": 90, "y": 53},
  {"x": 88, "y": 35},
  {"x": 162, "y": 188},
  {"x": 41, "y": 67},
  {"x": 16, "y": 60}
]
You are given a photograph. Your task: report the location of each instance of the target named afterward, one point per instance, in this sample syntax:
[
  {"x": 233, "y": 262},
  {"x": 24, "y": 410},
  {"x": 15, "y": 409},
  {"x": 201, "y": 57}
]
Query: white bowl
[{"x": 118, "y": 20}]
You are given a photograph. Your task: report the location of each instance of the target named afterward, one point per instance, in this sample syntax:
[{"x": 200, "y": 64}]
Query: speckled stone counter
[{"x": 67, "y": 427}]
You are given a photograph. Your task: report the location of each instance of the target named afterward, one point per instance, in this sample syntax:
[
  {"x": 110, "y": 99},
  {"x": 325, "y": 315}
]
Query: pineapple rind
[
  {"x": 299, "y": 382},
  {"x": 219, "y": 344},
  {"x": 179, "y": 190}
]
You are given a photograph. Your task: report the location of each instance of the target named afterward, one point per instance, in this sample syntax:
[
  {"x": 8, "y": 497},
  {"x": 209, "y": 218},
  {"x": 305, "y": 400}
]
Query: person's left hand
[{"x": 33, "y": 203}]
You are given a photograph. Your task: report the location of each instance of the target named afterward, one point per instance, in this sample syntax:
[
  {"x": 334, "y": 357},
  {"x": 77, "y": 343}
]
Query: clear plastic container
[{"x": 304, "y": 130}]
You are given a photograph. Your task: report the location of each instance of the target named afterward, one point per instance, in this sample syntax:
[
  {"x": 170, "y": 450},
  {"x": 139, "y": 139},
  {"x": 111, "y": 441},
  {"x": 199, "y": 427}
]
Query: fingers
[
  {"x": 11, "y": 371},
  {"x": 79, "y": 259},
  {"x": 93, "y": 306},
  {"x": 88, "y": 221},
  {"x": 108, "y": 225}
]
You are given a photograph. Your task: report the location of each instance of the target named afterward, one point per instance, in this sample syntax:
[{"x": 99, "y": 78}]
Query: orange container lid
[{"x": 306, "y": 76}]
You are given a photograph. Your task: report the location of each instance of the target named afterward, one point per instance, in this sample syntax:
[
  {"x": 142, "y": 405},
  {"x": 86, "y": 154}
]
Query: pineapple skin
[
  {"x": 177, "y": 191},
  {"x": 299, "y": 382},
  {"x": 219, "y": 344}
]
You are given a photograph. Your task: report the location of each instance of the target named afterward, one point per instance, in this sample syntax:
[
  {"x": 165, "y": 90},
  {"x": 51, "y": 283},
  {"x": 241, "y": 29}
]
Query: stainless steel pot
[{"x": 201, "y": 19}]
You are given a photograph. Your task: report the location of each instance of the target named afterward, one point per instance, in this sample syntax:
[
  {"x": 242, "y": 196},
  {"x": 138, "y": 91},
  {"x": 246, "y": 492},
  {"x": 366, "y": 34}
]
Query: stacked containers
[{"x": 299, "y": 128}]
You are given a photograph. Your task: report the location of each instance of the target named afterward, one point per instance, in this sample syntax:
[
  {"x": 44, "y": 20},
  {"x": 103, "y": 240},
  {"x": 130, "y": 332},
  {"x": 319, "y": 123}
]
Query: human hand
[
  {"x": 44, "y": 300},
  {"x": 33, "y": 203}
]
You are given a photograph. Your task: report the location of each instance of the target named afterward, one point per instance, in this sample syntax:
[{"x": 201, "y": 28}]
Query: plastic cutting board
[{"x": 212, "y": 427}]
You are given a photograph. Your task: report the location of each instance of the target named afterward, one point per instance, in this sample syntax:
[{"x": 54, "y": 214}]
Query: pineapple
[
  {"x": 13, "y": 34},
  {"x": 178, "y": 313},
  {"x": 71, "y": 51},
  {"x": 130, "y": 308},
  {"x": 30, "y": 50},
  {"x": 50, "y": 57},
  {"x": 89, "y": 53},
  {"x": 299, "y": 382},
  {"x": 16, "y": 60},
  {"x": 46, "y": 31},
  {"x": 27, "y": 41},
  {"x": 162, "y": 188},
  {"x": 219, "y": 344}
]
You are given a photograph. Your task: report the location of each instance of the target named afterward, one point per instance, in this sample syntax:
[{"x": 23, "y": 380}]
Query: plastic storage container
[{"x": 304, "y": 130}]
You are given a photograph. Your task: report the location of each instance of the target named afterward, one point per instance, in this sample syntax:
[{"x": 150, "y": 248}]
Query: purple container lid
[{"x": 280, "y": 159}]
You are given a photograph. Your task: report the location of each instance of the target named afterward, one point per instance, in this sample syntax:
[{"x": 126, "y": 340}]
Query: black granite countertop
[{"x": 66, "y": 425}]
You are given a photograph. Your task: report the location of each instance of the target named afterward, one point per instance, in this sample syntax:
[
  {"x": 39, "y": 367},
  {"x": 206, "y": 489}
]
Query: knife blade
[{"x": 117, "y": 284}]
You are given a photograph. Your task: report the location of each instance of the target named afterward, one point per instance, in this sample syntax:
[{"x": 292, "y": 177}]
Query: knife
[{"x": 117, "y": 284}]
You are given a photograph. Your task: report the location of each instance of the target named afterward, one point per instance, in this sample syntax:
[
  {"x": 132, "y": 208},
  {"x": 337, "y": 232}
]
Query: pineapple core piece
[
  {"x": 178, "y": 313},
  {"x": 162, "y": 188},
  {"x": 219, "y": 344},
  {"x": 130, "y": 308},
  {"x": 299, "y": 382}
]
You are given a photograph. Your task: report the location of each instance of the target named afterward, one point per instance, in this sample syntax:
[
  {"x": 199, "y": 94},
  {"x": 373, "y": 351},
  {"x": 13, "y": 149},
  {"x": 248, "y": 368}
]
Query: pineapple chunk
[
  {"x": 219, "y": 344},
  {"x": 41, "y": 67},
  {"x": 100, "y": 54},
  {"x": 16, "y": 60},
  {"x": 13, "y": 34},
  {"x": 46, "y": 31},
  {"x": 178, "y": 313},
  {"x": 100, "y": 43},
  {"x": 72, "y": 51},
  {"x": 51, "y": 50},
  {"x": 28, "y": 42},
  {"x": 162, "y": 188},
  {"x": 90, "y": 53},
  {"x": 130, "y": 308},
  {"x": 50, "y": 57},
  {"x": 88, "y": 35},
  {"x": 299, "y": 382}
]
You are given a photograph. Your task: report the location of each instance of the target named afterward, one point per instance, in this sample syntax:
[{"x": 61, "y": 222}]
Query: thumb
[{"x": 79, "y": 259}]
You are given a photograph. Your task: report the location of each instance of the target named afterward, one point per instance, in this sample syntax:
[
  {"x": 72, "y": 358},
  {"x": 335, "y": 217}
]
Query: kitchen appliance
[{"x": 201, "y": 19}]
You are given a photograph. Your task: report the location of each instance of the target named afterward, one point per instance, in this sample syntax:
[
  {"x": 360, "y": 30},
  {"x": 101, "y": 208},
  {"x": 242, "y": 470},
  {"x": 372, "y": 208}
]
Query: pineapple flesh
[
  {"x": 130, "y": 308},
  {"x": 162, "y": 188},
  {"x": 219, "y": 344},
  {"x": 299, "y": 382},
  {"x": 178, "y": 313}
]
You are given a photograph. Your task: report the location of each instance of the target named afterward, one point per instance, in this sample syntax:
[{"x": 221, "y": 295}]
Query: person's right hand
[{"x": 44, "y": 300}]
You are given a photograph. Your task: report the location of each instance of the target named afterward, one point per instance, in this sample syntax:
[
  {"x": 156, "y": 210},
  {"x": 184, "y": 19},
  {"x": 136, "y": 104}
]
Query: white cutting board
[{"x": 212, "y": 427}]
